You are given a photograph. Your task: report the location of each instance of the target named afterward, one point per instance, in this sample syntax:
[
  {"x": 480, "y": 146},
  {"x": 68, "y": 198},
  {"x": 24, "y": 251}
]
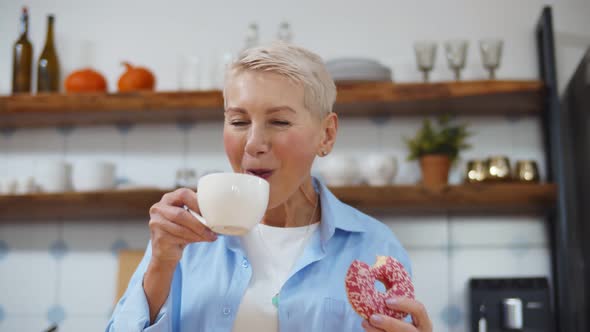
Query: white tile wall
[
  {"x": 90, "y": 323},
  {"x": 154, "y": 153},
  {"x": 24, "y": 323},
  {"x": 101, "y": 143},
  {"x": 135, "y": 233},
  {"x": 90, "y": 236},
  {"x": 503, "y": 231},
  {"x": 31, "y": 280},
  {"x": 419, "y": 232},
  {"x": 26, "y": 236},
  {"x": 87, "y": 282},
  {"x": 431, "y": 282},
  {"x": 28, "y": 282},
  {"x": 354, "y": 138}
]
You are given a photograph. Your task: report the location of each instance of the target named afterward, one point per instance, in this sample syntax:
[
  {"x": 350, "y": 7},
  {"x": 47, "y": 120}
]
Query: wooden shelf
[
  {"x": 354, "y": 99},
  {"x": 480, "y": 199},
  {"x": 498, "y": 198}
]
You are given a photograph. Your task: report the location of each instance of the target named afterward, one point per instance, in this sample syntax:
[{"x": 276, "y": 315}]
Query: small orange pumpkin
[
  {"x": 136, "y": 78},
  {"x": 85, "y": 80}
]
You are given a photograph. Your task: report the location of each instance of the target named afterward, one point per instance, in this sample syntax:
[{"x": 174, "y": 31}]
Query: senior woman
[{"x": 288, "y": 273}]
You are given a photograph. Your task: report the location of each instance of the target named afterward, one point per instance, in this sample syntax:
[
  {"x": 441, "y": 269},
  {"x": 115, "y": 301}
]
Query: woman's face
[{"x": 268, "y": 132}]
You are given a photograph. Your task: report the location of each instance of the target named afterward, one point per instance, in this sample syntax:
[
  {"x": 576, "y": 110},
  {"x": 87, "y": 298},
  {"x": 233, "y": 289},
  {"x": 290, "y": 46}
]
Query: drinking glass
[
  {"x": 285, "y": 34},
  {"x": 189, "y": 72},
  {"x": 456, "y": 52},
  {"x": 491, "y": 52},
  {"x": 425, "y": 55}
]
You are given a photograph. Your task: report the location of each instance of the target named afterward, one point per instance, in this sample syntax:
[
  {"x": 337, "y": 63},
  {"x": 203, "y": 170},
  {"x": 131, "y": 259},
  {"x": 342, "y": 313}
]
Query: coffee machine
[{"x": 510, "y": 304}]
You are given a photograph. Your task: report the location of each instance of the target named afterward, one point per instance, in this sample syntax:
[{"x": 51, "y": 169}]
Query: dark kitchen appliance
[{"x": 510, "y": 304}]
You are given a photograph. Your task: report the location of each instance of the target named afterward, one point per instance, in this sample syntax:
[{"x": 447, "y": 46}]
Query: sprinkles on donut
[{"x": 365, "y": 299}]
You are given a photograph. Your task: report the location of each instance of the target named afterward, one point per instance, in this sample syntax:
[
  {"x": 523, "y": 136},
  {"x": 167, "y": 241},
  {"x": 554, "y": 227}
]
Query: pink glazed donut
[{"x": 361, "y": 292}]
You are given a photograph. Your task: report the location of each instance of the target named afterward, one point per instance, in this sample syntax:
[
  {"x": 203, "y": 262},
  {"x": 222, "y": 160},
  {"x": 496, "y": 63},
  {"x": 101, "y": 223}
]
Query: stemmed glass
[
  {"x": 456, "y": 52},
  {"x": 425, "y": 55},
  {"x": 285, "y": 34},
  {"x": 491, "y": 52}
]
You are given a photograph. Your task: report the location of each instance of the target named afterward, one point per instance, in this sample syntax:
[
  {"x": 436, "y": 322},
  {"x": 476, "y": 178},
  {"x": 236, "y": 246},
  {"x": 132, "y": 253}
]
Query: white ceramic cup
[
  {"x": 340, "y": 170},
  {"x": 53, "y": 176},
  {"x": 93, "y": 176},
  {"x": 231, "y": 203},
  {"x": 379, "y": 169}
]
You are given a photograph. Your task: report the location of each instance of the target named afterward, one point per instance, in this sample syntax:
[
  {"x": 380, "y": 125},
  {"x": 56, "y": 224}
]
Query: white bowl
[
  {"x": 338, "y": 171},
  {"x": 379, "y": 169}
]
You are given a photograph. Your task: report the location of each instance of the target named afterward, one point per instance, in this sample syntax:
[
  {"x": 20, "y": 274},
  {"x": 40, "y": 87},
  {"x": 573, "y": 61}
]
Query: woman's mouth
[{"x": 260, "y": 172}]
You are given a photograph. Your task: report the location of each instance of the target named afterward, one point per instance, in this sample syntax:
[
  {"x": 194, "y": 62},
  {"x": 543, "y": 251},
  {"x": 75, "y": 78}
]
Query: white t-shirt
[{"x": 272, "y": 252}]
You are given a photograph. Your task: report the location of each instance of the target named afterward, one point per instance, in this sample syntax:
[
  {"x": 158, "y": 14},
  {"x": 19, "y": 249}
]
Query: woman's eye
[
  {"x": 281, "y": 123},
  {"x": 238, "y": 123}
]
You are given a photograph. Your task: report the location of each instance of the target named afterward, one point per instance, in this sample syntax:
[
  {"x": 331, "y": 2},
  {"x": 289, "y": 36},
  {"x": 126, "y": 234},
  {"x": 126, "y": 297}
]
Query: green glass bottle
[
  {"x": 48, "y": 65},
  {"x": 22, "y": 58}
]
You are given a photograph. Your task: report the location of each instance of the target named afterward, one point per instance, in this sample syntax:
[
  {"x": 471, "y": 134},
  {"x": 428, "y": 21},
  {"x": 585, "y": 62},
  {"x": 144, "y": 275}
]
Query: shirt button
[
  {"x": 226, "y": 311},
  {"x": 245, "y": 263}
]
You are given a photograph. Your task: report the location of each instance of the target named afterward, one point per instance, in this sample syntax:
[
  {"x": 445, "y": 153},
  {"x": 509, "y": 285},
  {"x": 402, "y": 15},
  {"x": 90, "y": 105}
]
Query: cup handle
[{"x": 196, "y": 215}]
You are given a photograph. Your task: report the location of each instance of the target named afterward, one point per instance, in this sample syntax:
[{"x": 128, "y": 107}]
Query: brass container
[
  {"x": 526, "y": 171},
  {"x": 499, "y": 169},
  {"x": 476, "y": 171}
]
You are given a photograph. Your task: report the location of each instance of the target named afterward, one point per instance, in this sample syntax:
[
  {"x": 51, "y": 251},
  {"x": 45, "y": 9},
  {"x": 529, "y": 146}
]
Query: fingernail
[
  {"x": 377, "y": 319},
  {"x": 392, "y": 301}
]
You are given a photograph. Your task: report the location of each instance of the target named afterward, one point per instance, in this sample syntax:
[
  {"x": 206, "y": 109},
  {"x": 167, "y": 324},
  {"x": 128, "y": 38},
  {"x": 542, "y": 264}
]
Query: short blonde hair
[{"x": 295, "y": 63}]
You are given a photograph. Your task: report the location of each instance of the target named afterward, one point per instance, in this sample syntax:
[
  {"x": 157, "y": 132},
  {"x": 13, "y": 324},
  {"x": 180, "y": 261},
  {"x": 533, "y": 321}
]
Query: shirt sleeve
[{"x": 132, "y": 312}]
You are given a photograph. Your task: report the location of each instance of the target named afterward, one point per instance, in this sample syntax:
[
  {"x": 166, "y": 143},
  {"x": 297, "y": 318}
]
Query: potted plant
[{"x": 437, "y": 147}]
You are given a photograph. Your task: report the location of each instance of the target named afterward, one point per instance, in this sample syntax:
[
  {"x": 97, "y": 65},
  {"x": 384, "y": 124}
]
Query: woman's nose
[{"x": 258, "y": 142}]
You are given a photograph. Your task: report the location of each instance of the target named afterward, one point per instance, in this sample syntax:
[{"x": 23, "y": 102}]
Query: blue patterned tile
[
  {"x": 124, "y": 127},
  {"x": 452, "y": 315},
  {"x": 56, "y": 314},
  {"x": 118, "y": 245},
  {"x": 120, "y": 181},
  {"x": 58, "y": 249},
  {"x": 185, "y": 125},
  {"x": 65, "y": 130},
  {"x": 380, "y": 119},
  {"x": 513, "y": 118},
  {"x": 2, "y": 315},
  {"x": 3, "y": 249}
]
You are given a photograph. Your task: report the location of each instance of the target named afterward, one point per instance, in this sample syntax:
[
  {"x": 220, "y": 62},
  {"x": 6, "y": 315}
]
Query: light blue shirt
[{"x": 211, "y": 278}]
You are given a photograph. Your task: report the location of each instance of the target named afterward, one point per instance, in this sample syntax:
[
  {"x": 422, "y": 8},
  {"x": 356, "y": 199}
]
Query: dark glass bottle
[
  {"x": 48, "y": 65},
  {"x": 22, "y": 58}
]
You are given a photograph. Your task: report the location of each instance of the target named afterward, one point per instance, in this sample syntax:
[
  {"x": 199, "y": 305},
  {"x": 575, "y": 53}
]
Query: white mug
[
  {"x": 231, "y": 203},
  {"x": 93, "y": 176},
  {"x": 53, "y": 176}
]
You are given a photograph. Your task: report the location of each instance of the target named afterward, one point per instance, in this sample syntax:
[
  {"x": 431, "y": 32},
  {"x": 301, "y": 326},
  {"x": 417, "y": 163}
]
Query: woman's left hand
[{"x": 382, "y": 323}]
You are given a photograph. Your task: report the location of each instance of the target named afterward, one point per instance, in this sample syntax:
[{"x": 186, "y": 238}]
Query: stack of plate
[{"x": 358, "y": 69}]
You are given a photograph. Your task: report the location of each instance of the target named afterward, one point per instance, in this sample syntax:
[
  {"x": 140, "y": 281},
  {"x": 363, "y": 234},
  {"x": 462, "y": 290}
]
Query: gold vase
[
  {"x": 498, "y": 169},
  {"x": 526, "y": 171},
  {"x": 476, "y": 171}
]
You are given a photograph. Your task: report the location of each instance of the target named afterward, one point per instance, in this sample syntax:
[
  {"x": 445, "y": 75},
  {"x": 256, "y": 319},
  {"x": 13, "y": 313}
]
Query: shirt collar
[{"x": 335, "y": 214}]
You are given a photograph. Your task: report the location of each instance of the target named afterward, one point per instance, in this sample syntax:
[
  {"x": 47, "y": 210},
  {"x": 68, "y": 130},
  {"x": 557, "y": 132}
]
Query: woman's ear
[{"x": 329, "y": 130}]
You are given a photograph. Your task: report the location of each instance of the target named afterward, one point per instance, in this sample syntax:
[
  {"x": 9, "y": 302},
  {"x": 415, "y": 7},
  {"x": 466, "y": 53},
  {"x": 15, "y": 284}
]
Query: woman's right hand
[{"x": 172, "y": 227}]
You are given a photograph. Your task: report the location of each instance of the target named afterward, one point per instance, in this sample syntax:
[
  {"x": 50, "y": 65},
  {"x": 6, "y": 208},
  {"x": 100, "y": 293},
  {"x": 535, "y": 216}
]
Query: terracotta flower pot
[{"x": 435, "y": 170}]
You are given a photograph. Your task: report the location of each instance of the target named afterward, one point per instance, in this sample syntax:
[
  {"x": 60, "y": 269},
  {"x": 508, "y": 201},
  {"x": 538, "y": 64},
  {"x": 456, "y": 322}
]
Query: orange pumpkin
[
  {"x": 136, "y": 78},
  {"x": 85, "y": 80}
]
